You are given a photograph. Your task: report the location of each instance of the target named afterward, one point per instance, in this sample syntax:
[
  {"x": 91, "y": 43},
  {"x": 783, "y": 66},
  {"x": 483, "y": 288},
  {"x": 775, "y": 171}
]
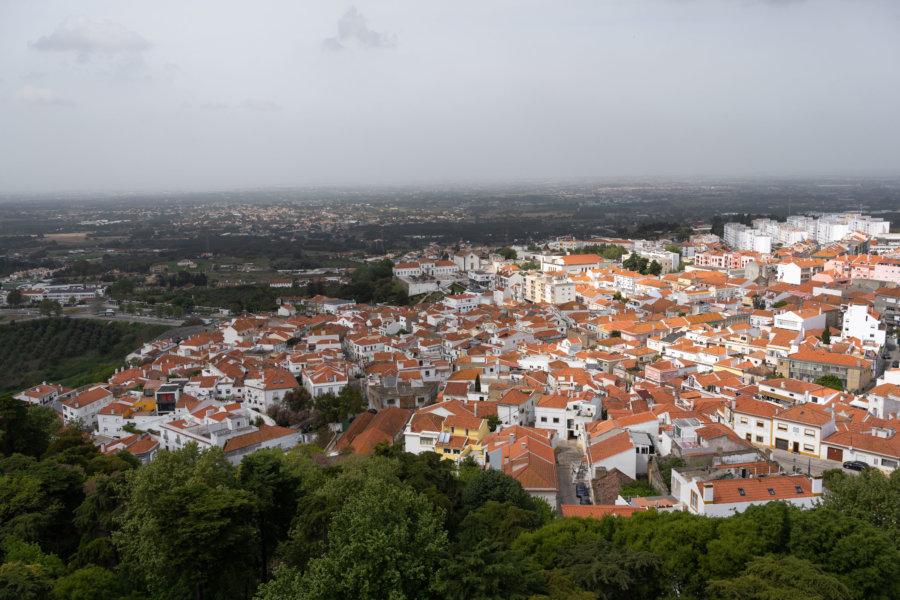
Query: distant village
[{"x": 739, "y": 361}]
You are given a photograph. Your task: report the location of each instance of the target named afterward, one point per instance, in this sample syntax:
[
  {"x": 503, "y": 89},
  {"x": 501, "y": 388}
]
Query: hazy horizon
[{"x": 216, "y": 96}]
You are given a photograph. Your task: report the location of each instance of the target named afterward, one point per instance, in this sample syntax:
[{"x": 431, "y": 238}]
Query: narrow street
[
  {"x": 815, "y": 466},
  {"x": 569, "y": 453}
]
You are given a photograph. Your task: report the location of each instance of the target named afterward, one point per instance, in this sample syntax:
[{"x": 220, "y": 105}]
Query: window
[
  {"x": 799, "y": 489},
  {"x": 782, "y": 427},
  {"x": 760, "y": 439},
  {"x": 694, "y": 499},
  {"x": 743, "y": 420},
  {"x": 556, "y": 419},
  {"x": 809, "y": 432},
  {"x": 760, "y": 424},
  {"x": 543, "y": 419},
  {"x": 771, "y": 492},
  {"x": 809, "y": 448},
  {"x": 741, "y": 491}
]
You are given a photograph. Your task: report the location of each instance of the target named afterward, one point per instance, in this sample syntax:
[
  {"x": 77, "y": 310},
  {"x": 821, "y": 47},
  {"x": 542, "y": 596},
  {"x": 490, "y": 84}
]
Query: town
[{"x": 606, "y": 375}]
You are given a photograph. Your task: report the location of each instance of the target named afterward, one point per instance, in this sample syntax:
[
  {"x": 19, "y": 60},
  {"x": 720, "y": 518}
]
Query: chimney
[
  {"x": 816, "y": 485},
  {"x": 512, "y": 437},
  {"x": 707, "y": 493},
  {"x": 783, "y": 385},
  {"x": 523, "y": 445}
]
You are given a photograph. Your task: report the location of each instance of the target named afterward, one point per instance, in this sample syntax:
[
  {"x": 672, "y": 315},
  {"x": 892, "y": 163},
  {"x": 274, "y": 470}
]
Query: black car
[
  {"x": 584, "y": 500},
  {"x": 896, "y": 364},
  {"x": 581, "y": 490},
  {"x": 855, "y": 465}
]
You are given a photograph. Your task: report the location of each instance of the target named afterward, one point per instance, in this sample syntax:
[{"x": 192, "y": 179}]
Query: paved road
[
  {"x": 815, "y": 466},
  {"x": 569, "y": 453},
  {"x": 894, "y": 352}
]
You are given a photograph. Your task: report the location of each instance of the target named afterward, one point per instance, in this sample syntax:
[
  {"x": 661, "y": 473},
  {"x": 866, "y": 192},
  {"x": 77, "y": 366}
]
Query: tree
[
  {"x": 611, "y": 573},
  {"x": 15, "y": 298},
  {"x": 654, "y": 268},
  {"x": 495, "y": 485},
  {"x": 88, "y": 583},
  {"x": 484, "y": 572},
  {"x": 826, "y": 335},
  {"x": 863, "y": 557},
  {"x": 831, "y": 381},
  {"x": 120, "y": 289},
  {"x": 186, "y": 527},
  {"x": 666, "y": 466},
  {"x": 508, "y": 253},
  {"x": 24, "y": 582},
  {"x": 335, "y": 409},
  {"x": 637, "y": 489},
  {"x": 26, "y": 428},
  {"x": 493, "y": 422},
  {"x": 386, "y": 542},
  {"x": 497, "y": 522},
  {"x": 276, "y": 492},
  {"x": 870, "y": 496},
  {"x": 477, "y": 383},
  {"x": 45, "y": 307},
  {"x": 789, "y": 577}
]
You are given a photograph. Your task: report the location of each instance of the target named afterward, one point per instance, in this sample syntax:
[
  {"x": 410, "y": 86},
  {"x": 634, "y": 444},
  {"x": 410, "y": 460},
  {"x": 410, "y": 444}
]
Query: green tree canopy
[
  {"x": 832, "y": 381},
  {"x": 773, "y": 577},
  {"x": 187, "y": 528},
  {"x": 386, "y": 542}
]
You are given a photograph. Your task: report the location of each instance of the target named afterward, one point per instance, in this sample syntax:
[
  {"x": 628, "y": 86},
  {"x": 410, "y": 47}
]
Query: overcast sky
[{"x": 168, "y": 95}]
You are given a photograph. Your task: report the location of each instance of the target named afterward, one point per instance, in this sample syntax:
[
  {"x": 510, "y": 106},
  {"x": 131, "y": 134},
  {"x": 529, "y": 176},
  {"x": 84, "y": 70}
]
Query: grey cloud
[
  {"x": 332, "y": 45},
  {"x": 259, "y": 105},
  {"x": 214, "y": 106},
  {"x": 86, "y": 37},
  {"x": 41, "y": 97},
  {"x": 353, "y": 28}
]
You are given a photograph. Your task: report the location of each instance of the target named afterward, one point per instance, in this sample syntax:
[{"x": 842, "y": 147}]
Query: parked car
[
  {"x": 584, "y": 500},
  {"x": 581, "y": 490},
  {"x": 896, "y": 364},
  {"x": 855, "y": 465}
]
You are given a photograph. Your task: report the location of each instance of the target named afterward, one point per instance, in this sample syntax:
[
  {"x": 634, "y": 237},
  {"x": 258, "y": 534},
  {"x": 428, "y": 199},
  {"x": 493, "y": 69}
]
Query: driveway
[{"x": 569, "y": 453}]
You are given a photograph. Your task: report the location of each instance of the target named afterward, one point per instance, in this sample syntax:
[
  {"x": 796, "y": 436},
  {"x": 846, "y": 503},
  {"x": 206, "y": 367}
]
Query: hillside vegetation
[
  {"x": 281, "y": 526},
  {"x": 64, "y": 350}
]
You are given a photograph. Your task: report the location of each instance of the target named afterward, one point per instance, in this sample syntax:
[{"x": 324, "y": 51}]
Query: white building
[
  {"x": 265, "y": 387},
  {"x": 87, "y": 404},
  {"x": 726, "y": 497},
  {"x": 862, "y": 323}
]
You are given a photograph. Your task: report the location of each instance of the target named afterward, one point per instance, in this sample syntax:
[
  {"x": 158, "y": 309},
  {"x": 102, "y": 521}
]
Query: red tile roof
[{"x": 599, "y": 511}]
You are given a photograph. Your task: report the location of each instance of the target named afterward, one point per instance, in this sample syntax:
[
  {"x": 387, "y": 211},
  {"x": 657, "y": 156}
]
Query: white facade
[
  {"x": 546, "y": 417},
  {"x": 861, "y": 324}
]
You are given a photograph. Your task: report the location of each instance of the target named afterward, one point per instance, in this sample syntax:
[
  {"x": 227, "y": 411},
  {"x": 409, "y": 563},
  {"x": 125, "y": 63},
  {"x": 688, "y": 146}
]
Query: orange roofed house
[
  {"x": 526, "y": 454},
  {"x": 725, "y": 497},
  {"x": 809, "y": 365},
  {"x": 87, "y": 404}
]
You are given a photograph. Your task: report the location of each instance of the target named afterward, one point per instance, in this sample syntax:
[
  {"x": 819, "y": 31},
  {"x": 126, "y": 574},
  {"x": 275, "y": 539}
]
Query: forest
[
  {"x": 75, "y": 524},
  {"x": 69, "y": 351}
]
